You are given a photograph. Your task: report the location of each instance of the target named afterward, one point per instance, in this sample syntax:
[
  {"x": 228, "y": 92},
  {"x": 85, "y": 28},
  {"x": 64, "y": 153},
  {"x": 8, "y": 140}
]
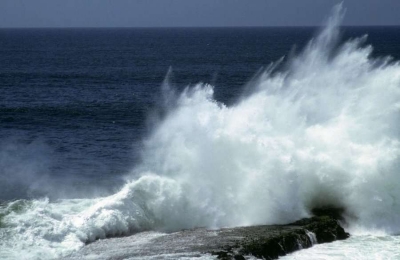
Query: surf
[{"x": 317, "y": 129}]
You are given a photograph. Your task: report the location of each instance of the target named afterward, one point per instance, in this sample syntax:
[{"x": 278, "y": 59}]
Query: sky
[{"x": 191, "y": 13}]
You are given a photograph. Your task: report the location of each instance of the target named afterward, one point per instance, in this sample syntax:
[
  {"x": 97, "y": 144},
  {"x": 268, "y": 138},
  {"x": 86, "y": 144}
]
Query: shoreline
[
  {"x": 263, "y": 241},
  {"x": 292, "y": 237}
]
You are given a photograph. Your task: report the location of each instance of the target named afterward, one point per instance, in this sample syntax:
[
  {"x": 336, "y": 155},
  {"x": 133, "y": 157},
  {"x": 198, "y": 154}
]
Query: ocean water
[{"x": 110, "y": 132}]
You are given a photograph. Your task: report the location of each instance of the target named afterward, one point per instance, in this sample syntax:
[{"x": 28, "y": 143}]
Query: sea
[{"x": 108, "y": 132}]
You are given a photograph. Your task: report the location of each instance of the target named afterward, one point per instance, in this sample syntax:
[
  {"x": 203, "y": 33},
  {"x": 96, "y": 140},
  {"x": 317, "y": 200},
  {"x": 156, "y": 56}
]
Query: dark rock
[
  {"x": 264, "y": 241},
  {"x": 325, "y": 227},
  {"x": 272, "y": 248}
]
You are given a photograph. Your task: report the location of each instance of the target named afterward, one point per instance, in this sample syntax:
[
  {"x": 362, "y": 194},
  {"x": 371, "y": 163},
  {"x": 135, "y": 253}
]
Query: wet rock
[
  {"x": 264, "y": 241},
  {"x": 325, "y": 228}
]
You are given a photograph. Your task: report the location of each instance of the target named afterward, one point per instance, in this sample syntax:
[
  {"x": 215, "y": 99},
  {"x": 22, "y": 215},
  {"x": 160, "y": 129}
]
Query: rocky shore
[
  {"x": 301, "y": 234},
  {"x": 265, "y": 241}
]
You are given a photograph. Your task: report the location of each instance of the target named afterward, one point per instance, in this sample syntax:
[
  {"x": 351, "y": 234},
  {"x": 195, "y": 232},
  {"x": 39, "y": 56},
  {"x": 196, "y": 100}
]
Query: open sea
[{"x": 109, "y": 132}]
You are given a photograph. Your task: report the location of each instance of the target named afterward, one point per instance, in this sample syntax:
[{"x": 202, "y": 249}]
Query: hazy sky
[{"x": 157, "y": 13}]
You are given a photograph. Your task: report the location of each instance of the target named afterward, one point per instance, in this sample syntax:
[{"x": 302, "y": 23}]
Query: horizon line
[{"x": 189, "y": 27}]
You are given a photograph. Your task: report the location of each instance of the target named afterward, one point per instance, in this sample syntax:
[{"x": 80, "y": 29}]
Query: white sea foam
[
  {"x": 365, "y": 247},
  {"x": 323, "y": 131}
]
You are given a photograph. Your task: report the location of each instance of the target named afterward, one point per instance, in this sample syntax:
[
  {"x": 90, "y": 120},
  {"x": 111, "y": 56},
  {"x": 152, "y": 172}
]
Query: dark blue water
[{"x": 75, "y": 103}]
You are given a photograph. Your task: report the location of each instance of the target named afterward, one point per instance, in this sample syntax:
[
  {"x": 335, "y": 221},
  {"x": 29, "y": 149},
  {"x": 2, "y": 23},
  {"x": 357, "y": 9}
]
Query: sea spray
[{"x": 323, "y": 131}]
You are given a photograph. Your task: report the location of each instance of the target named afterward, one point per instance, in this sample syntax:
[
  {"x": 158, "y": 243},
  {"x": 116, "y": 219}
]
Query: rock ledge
[
  {"x": 263, "y": 241},
  {"x": 301, "y": 234}
]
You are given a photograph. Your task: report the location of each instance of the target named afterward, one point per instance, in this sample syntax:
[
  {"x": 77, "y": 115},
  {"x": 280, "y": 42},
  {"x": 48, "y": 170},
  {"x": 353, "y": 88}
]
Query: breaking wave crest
[{"x": 323, "y": 131}]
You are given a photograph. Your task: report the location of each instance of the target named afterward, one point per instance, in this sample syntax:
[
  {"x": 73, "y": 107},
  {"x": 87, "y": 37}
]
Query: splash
[{"x": 321, "y": 132}]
